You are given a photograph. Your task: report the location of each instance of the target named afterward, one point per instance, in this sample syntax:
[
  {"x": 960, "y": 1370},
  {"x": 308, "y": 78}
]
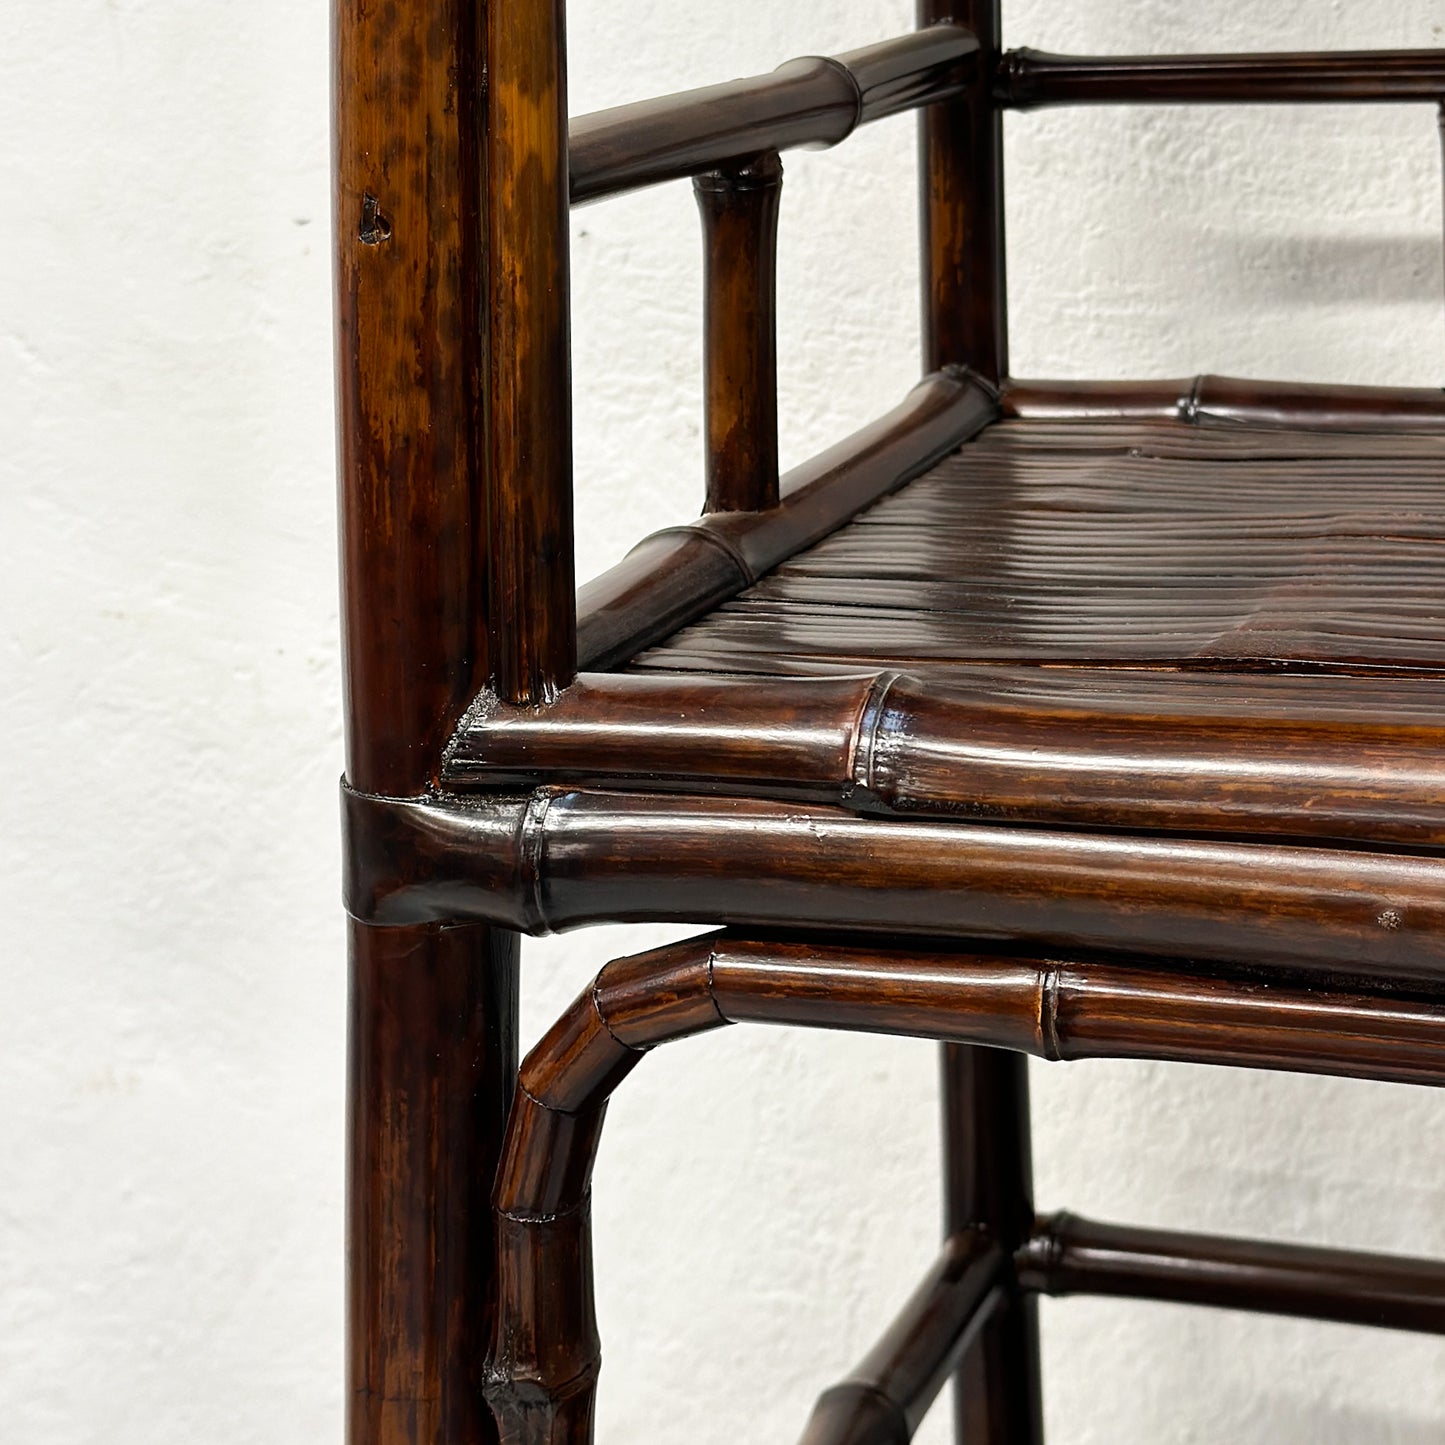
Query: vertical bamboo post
[
  {"x": 740, "y": 249},
  {"x": 964, "y": 296},
  {"x": 986, "y": 1108},
  {"x": 432, "y": 1009},
  {"x": 1441, "y": 119},
  {"x": 529, "y": 398},
  {"x": 988, "y": 1177}
]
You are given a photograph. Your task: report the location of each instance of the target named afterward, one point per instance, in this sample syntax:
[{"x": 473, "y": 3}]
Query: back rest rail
[{"x": 1029, "y": 79}]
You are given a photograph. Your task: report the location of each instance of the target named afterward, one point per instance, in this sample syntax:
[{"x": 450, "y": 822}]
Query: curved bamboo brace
[{"x": 542, "y": 1372}]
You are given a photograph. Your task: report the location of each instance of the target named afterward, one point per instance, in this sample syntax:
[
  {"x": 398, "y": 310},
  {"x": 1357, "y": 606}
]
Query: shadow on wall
[
  {"x": 1296, "y": 1419},
  {"x": 1326, "y": 270}
]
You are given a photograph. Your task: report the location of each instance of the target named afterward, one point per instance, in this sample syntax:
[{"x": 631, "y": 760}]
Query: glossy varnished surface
[
  {"x": 409, "y": 239},
  {"x": 1317, "y": 757},
  {"x": 1107, "y": 543},
  {"x": 812, "y": 101},
  {"x": 1030, "y": 78}
]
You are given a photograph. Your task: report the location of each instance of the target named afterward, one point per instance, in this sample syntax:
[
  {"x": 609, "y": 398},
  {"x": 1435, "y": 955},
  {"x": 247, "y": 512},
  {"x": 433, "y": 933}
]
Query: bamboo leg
[
  {"x": 989, "y": 1186},
  {"x": 433, "y": 1037}
]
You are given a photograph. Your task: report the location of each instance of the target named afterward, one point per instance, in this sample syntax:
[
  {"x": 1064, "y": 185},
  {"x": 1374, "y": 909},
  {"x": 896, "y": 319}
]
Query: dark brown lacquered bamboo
[
  {"x": 529, "y": 382},
  {"x": 676, "y": 576},
  {"x": 965, "y": 322},
  {"x": 1131, "y": 548},
  {"x": 964, "y": 296},
  {"x": 432, "y": 1015},
  {"x": 556, "y": 860},
  {"x": 1214, "y": 400},
  {"x": 884, "y": 1400},
  {"x": 408, "y": 229},
  {"x": 814, "y": 101},
  {"x": 999, "y": 749},
  {"x": 1029, "y": 79},
  {"x": 989, "y": 1186},
  {"x": 1440, "y": 116},
  {"x": 433, "y": 1057},
  {"x": 542, "y": 1370},
  {"x": 740, "y": 251},
  {"x": 1068, "y": 1255}
]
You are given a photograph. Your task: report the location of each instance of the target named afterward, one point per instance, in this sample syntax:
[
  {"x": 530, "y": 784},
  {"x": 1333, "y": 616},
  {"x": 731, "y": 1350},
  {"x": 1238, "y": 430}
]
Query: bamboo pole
[
  {"x": 894, "y": 744},
  {"x": 739, "y": 209},
  {"x": 559, "y": 859},
  {"x": 1030, "y": 79},
  {"x": 883, "y": 1401},
  {"x": 545, "y": 1357},
  {"x": 1068, "y": 1255}
]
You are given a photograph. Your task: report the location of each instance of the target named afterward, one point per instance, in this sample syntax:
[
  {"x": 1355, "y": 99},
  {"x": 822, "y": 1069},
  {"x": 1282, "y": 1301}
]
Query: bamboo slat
[{"x": 1133, "y": 544}]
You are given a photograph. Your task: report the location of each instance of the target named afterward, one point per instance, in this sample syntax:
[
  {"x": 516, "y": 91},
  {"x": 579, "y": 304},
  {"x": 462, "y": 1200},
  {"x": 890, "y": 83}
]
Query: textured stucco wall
[{"x": 171, "y": 984}]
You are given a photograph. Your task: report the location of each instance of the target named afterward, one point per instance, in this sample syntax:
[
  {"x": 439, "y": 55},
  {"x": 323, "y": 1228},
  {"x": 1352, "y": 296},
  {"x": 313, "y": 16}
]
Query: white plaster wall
[{"x": 171, "y": 985}]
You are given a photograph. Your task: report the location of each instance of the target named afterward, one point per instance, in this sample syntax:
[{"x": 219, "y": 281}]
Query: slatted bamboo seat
[
  {"x": 1117, "y": 544},
  {"x": 1052, "y": 719}
]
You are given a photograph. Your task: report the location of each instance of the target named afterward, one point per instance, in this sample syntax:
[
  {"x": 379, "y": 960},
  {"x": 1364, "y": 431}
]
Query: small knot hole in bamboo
[{"x": 375, "y": 224}]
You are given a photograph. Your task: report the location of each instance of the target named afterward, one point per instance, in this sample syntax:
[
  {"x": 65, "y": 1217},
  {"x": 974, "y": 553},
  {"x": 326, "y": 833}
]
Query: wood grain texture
[
  {"x": 740, "y": 333},
  {"x": 529, "y": 396},
  {"x": 432, "y": 1045},
  {"x": 812, "y": 101},
  {"x": 1029, "y": 79},
  {"x": 409, "y": 236}
]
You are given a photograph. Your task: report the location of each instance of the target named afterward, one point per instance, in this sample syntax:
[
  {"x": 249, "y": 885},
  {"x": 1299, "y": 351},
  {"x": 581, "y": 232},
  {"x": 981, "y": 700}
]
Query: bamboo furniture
[{"x": 1064, "y": 719}]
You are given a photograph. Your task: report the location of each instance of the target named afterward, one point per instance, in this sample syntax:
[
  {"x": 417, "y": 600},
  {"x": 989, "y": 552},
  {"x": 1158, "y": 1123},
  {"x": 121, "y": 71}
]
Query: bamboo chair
[{"x": 1037, "y": 718}]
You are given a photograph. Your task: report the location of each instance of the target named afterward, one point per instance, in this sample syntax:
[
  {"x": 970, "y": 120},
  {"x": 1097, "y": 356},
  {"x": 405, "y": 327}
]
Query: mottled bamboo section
[{"x": 528, "y": 405}]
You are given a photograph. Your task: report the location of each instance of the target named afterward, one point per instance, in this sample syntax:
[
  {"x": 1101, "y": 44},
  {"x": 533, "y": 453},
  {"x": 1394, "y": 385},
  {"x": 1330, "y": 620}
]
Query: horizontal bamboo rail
[
  {"x": 1029, "y": 79},
  {"x": 1222, "y": 400},
  {"x": 890, "y": 743},
  {"x": 544, "y": 1362},
  {"x": 1068, "y": 1255},
  {"x": 675, "y": 576},
  {"x": 556, "y": 860},
  {"x": 884, "y": 1400},
  {"x": 813, "y": 101}
]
